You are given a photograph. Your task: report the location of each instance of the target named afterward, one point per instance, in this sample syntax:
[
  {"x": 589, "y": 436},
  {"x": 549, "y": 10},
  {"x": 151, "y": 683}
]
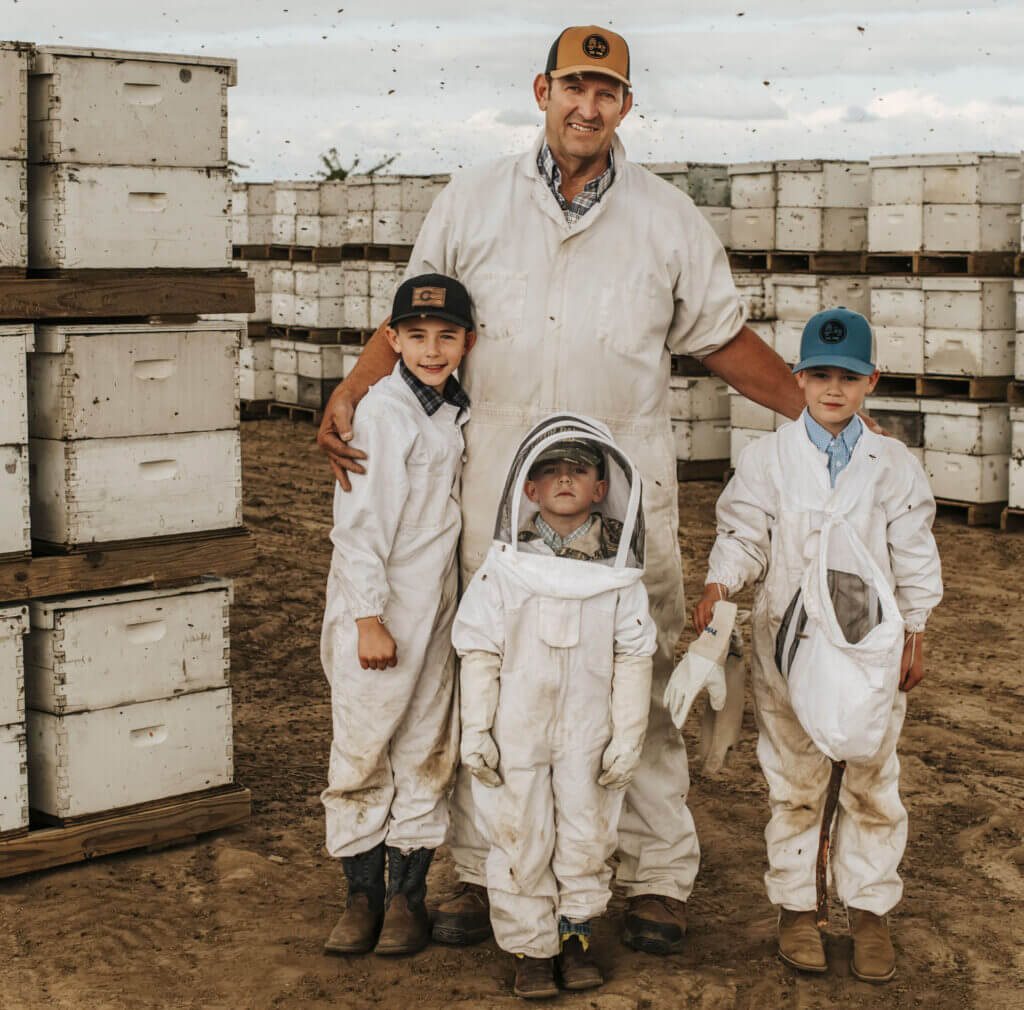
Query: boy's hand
[
  {"x": 713, "y": 592},
  {"x": 912, "y": 664},
  {"x": 376, "y": 646}
]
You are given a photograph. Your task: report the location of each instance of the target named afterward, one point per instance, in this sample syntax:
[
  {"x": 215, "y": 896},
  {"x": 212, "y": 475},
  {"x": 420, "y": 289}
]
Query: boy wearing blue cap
[{"x": 792, "y": 489}]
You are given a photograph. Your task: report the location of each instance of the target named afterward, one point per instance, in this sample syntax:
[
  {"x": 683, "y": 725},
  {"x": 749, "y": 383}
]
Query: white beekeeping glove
[
  {"x": 478, "y": 680},
  {"x": 631, "y": 702},
  {"x": 703, "y": 666},
  {"x": 721, "y": 730}
]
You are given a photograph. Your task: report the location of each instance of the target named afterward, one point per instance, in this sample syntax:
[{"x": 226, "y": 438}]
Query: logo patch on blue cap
[{"x": 833, "y": 331}]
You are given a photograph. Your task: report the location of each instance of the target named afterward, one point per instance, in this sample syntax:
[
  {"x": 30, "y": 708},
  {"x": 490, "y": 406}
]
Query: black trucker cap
[{"x": 432, "y": 295}]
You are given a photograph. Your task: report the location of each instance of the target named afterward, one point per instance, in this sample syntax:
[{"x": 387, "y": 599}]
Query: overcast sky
[{"x": 752, "y": 81}]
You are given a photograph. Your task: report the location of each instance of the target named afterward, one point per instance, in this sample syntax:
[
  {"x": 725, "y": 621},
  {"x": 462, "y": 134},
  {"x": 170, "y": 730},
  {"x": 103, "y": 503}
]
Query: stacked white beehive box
[
  {"x": 897, "y": 319},
  {"x": 353, "y": 294},
  {"x": 128, "y": 155},
  {"x": 261, "y": 272},
  {"x": 240, "y": 214},
  {"x": 699, "y": 408},
  {"x": 127, "y": 697},
  {"x": 1018, "y": 350},
  {"x": 752, "y": 198},
  {"x": 15, "y": 343},
  {"x": 1016, "y": 481},
  {"x": 800, "y": 296},
  {"x": 259, "y": 210},
  {"x": 306, "y": 373},
  {"x": 967, "y": 449},
  {"x": 13, "y": 764},
  {"x": 967, "y": 202},
  {"x": 256, "y": 369},
  {"x": 968, "y": 326},
  {"x": 14, "y": 63},
  {"x": 707, "y": 184},
  {"x": 296, "y": 217},
  {"x": 389, "y": 209},
  {"x": 901, "y": 416},
  {"x": 333, "y": 213},
  {"x": 822, "y": 206}
]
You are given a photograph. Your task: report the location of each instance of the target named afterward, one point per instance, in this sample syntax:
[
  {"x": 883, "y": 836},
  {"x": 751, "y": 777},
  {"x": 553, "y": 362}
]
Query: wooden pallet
[
  {"x": 746, "y": 261},
  {"x": 156, "y": 824},
  {"x": 323, "y": 335},
  {"x": 700, "y": 469},
  {"x": 960, "y": 387},
  {"x": 254, "y": 410},
  {"x": 684, "y": 366},
  {"x": 156, "y": 562},
  {"x": 1018, "y": 265},
  {"x": 1015, "y": 392},
  {"x": 927, "y": 264},
  {"x": 975, "y": 513},
  {"x": 12, "y": 272},
  {"x": 257, "y": 330},
  {"x": 324, "y": 254},
  {"x": 816, "y": 262},
  {"x": 126, "y": 294},
  {"x": 296, "y": 412},
  {"x": 1012, "y": 520}
]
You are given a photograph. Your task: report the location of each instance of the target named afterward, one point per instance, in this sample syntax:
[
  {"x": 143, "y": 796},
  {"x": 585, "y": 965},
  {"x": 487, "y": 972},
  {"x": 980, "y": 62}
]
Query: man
[{"x": 573, "y": 254}]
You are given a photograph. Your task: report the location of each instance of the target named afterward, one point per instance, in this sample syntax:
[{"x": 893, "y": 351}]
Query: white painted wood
[
  {"x": 992, "y": 179},
  {"x": 897, "y": 301},
  {"x": 418, "y": 193},
  {"x": 693, "y": 399},
  {"x": 13, "y": 214},
  {"x": 387, "y": 193},
  {"x": 961, "y": 477},
  {"x": 823, "y": 183},
  {"x": 788, "y": 333},
  {"x": 358, "y": 277},
  {"x": 951, "y": 227},
  {"x": 123, "y": 110},
  {"x": 261, "y": 272},
  {"x": 321, "y": 361},
  {"x": 106, "y": 489},
  {"x": 752, "y": 228},
  {"x": 15, "y": 535},
  {"x": 720, "y": 219},
  {"x": 800, "y": 296},
  {"x": 333, "y": 198},
  {"x": 1016, "y": 479},
  {"x": 14, "y": 64},
  {"x": 359, "y": 226},
  {"x": 977, "y": 429},
  {"x": 396, "y": 227},
  {"x": 13, "y": 626},
  {"x": 285, "y": 356},
  {"x": 895, "y": 227},
  {"x": 258, "y": 356},
  {"x": 968, "y": 303},
  {"x": 744, "y": 413},
  {"x": 814, "y": 229},
  {"x": 112, "y": 381},
  {"x": 120, "y": 648},
  {"x": 1018, "y": 367},
  {"x": 900, "y": 416},
  {"x": 239, "y": 229},
  {"x": 699, "y": 440},
  {"x": 282, "y": 229},
  {"x": 359, "y": 193},
  {"x": 92, "y": 761},
  {"x": 899, "y": 349},
  {"x": 282, "y": 309},
  {"x": 739, "y": 439},
  {"x": 256, "y": 385},
  {"x": 968, "y": 352},
  {"x": 13, "y": 778},
  {"x": 295, "y": 197},
  {"x": 264, "y": 306},
  {"x": 88, "y": 216},
  {"x": 334, "y": 231},
  {"x": 307, "y": 230},
  {"x": 94, "y": 52},
  {"x": 286, "y": 387},
  {"x": 752, "y": 185},
  {"x": 282, "y": 279},
  {"x": 261, "y": 229},
  {"x": 899, "y": 185},
  {"x": 16, "y": 340},
  {"x": 382, "y": 280},
  {"x": 757, "y": 292},
  {"x": 708, "y": 184},
  {"x": 260, "y": 197}
]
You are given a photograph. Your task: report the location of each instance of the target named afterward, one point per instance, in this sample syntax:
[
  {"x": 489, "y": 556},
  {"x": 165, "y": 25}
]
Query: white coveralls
[
  {"x": 767, "y": 518},
  {"x": 395, "y": 536},
  {"x": 584, "y": 318},
  {"x": 561, "y": 628}
]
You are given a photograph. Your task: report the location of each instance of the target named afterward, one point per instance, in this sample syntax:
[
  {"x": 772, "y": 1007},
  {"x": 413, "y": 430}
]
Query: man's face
[{"x": 581, "y": 113}]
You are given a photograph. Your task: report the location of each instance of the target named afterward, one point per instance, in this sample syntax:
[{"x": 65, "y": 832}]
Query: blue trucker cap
[{"x": 838, "y": 337}]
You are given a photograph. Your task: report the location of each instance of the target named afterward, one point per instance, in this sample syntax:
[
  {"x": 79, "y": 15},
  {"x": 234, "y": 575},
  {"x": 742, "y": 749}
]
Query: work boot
[
  {"x": 406, "y": 928},
  {"x": 655, "y": 924},
  {"x": 576, "y": 966},
  {"x": 800, "y": 942},
  {"x": 464, "y": 918},
  {"x": 535, "y": 977},
  {"x": 356, "y": 931},
  {"x": 874, "y": 959}
]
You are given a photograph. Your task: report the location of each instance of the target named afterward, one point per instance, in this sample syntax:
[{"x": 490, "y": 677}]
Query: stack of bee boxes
[
  {"x": 753, "y": 199},
  {"x": 822, "y": 206},
  {"x": 902, "y": 417},
  {"x": 257, "y": 225},
  {"x": 306, "y": 374},
  {"x": 14, "y": 64},
  {"x": 707, "y": 184},
  {"x": 699, "y": 408},
  {"x": 15, "y": 537},
  {"x": 13, "y": 764},
  {"x": 296, "y": 216},
  {"x": 968, "y": 326},
  {"x": 1016, "y": 478},
  {"x": 967, "y": 449},
  {"x": 389, "y": 209},
  {"x": 800, "y": 296}
]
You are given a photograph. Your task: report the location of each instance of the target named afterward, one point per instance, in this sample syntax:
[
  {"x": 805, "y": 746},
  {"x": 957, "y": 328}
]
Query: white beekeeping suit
[
  {"x": 556, "y": 681},
  {"x": 769, "y": 525}
]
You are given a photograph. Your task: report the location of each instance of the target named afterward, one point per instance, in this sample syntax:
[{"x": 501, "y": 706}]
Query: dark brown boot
[
  {"x": 655, "y": 924},
  {"x": 406, "y": 928},
  {"x": 577, "y": 968},
  {"x": 535, "y": 977},
  {"x": 356, "y": 931},
  {"x": 465, "y": 918}
]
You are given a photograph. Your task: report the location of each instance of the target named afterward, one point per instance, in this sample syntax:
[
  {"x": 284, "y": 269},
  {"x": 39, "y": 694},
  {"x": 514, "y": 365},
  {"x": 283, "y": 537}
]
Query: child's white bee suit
[{"x": 556, "y": 679}]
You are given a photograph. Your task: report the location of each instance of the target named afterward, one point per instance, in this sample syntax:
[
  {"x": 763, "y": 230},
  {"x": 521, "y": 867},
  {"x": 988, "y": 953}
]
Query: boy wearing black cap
[
  {"x": 833, "y": 523},
  {"x": 386, "y": 641}
]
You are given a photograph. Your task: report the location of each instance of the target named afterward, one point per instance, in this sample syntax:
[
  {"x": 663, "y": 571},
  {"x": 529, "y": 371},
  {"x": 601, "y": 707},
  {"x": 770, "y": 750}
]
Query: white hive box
[
  {"x": 359, "y": 226},
  {"x": 752, "y": 228},
  {"x": 239, "y": 199},
  {"x": 110, "y": 489},
  {"x": 675, "y": 173},
  {"x": 333, "y": 199},
  {"x": 261, "y": 229},
  {"x": 418, "y": 193},
  {"x": 968, "y": 303},
  {"x": 114, "y": 757},
  {"x": 1016, "y": 488},
  {"x": 900, "y": 416},
  {"x": 739, "y": 439},
  {"x": 256, "y": 384},
  {"x": 15, "y": 514},
  {"x": 240, "y": 229},
  {"x": 895, "y": 227},
  {"x": 260, "y": 198},
  {"x": 963, "y": 178},
  {"x": 757, "y": 292},
  {"x": 282, "y": 309},
  {"x": 314, "y": 280},
  {"x": 13, "y": 625},
  {"x": 708, "y": 184},
  {"x": 321, "y": 361},
  {"x": 812, "y": 183},
  {"x": 700, "y": 440},
  {"x": 897, "y": 301},
  {"x": 814, "y": 229},
  {"x": 104, "y": 107},
  {"x": 360, "y": 192},
  {"x": 387, "y": 192},
  {"x": 16, "y": 341},
  {"x": 800, "y": 296},
  {"x": 88, "y": 216},
  {"x": 968, "y": 352},
  {"x": 720, "y": 219},
  {"x": 966, "y": 427},
  {"x": 744, "y": 413},
  {"x": 296, "y": 198},
  {"x": 899, "y": 349},
  {"x": 961, "y": 477},
  {"x": 307, "y": 230},
  {"x": 116, "y": 380},
  {"x": 13, "y": 778},
  {"x": 102, "y": 650},
  {"x": 314, "y": 392},
  {"x": 698, "y": 399},
  {"x": 788, "y": 333},
  {"x": 286, "y": 387},
  {"x": 258, "y": 355},
  {"x": 282, "y": 229},
  {"x": 396, "y": 227},
  {"x": 1018, "y": 367},
  {"x": 14, "y": 64},
  {"x": 285, "y": 356},
  {"x": 752, "y": 185},
  {"x": 986, "y": 227},
  {"x": 13, "y": 215}
]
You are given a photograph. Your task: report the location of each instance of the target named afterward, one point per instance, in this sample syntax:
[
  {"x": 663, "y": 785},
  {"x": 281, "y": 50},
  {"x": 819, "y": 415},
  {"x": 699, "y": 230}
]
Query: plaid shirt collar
[
  {"x": 430, "y": 399},
  {"x": 552, "y": 538},
  {"x": 839, "y": 448},
  {"x": 592, "y": 191}
]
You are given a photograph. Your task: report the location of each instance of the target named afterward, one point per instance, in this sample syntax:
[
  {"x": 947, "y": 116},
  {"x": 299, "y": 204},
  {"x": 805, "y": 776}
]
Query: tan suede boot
[
  {"x": 655, "y": 924},
  {"x": 800, "y": 942},
  {"x": 535, "y": 977},
  {"x": 464, "y": 918},
  {"x": 874, "y": 959},
  {"x": 356, "y": 931}
]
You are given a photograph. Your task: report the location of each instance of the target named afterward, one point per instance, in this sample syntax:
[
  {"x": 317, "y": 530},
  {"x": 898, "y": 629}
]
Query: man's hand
[
  {"x": 377, "y": 649},
  {"x": 334, "y": 434},
  {"x": 912, "y": 664},
  {"x": 702, "y": 613}
]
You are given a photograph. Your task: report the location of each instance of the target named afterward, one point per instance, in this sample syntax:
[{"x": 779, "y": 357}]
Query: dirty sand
[{"x": 237, "y": 919}]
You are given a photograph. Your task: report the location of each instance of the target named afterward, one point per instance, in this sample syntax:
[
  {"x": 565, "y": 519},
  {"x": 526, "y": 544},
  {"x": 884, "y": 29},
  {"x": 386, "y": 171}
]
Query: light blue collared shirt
[{"x": 838, "y": 448}]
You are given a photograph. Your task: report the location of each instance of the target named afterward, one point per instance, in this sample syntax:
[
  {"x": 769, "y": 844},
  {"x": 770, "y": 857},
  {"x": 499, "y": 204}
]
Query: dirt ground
[{"x": 237, "y": 919}]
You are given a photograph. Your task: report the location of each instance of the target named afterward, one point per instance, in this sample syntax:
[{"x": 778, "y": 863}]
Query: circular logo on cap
[
  {"x": 596, "y": 47},
  {"x": 833, "y": 331}
]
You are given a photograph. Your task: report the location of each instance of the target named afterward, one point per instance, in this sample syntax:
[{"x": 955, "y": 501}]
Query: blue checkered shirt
[
  {"x": 430, "y": 399},
  {"x": 838, "y": 448},
  {"x": 592, "y": 191}
]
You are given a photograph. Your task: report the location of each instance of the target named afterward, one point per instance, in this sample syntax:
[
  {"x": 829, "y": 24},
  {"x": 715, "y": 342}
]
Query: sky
[{"x": 446, "y": 84}]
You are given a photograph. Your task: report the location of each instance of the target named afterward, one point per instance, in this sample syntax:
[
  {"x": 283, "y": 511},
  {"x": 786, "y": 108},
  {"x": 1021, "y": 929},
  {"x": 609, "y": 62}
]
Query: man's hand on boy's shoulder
[
  {"x": 912, "y": 664},
  {"x": 334, "y": 435}
]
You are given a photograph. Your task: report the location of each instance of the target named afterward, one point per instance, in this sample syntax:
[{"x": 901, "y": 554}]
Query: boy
[
  {"x": 556, "y": 645},
  {"x": 827, "y": 464},
  {"x": 386, "y": 642}
]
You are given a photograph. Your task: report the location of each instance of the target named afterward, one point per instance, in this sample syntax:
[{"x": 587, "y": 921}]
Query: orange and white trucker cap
[{"x": 588, "y": 49}]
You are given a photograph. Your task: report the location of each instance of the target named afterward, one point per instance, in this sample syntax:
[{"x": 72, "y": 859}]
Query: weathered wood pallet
[
  {"x": 1012, "y": 520},
  {"x": 324, "y": 254},
  {"x": 928, "y": 264},
  {"x": 150, "y": 824},
  {"x": 321, "y": 335},
  {"x": 147, "y": 562},
  {"x": 297, "y": 412},
  {"x": 748, "y": 261},
  {"x": 1018, "y": 265},
  {"x": 684, "y": 366},
  {"x": 974, "y": 513},
  {"x": 254, "y": 410},
  {"x": 12, "y": 272},
  {"x": 945, "y": 386},
  {"x": 700, "y": 469},
  {"x": 816, "y": 262},
  {"x": 126, "y": 294},
  {"x": 1015, "y": 392},
  {"x": 256, "y": 330},
  {"x": 47, "y": 548}
]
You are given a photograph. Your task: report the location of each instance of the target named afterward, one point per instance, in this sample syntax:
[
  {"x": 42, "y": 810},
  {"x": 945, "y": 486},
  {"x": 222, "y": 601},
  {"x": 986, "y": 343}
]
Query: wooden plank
[
  {"x": 983, "y": 388},
  {"x": 686, "y": 366},
  {"x": 254, "y": 410},
  {"x": 256, "y": 330},
  {"x": 147, "y": 562},
  {"x": 1015, "y": 392},
  {"x": 816, "y": 262},
  {"x": 296, "y": 412},
  {"x": 126, "y": 294},
  {"x": 323, "y": 335},
  {"x": 118, "y": 831},
  {"x": 748, "y": 261},
  {"x": 896, "y": 384},
  {"x": 889, "y": 263},
  {"x": 1012, "y": 520},
  {"x": 976, "y": 513},
  {"x": 700, "y": 469}
]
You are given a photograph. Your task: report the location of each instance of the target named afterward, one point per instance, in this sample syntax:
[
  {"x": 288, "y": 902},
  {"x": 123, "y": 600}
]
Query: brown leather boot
[
  {"x": 655, "y": 924},
  {"x": 874, "y": 959},
  {"x": 356, "y": 931},
  {"x": 577, "y": 968},
  {"x": 800, "y": 942},
  {"x": 465, "y": 918},
  {"x": 535, "y": 977},
  {"x": 406, "y": 928}
]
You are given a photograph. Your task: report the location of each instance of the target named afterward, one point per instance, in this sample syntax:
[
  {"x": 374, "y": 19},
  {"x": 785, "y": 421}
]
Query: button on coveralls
[
  {"x": 584, "y": 318},
  {"x": 767, "y": 518},
  {"x": 561, "y": 628},
  {"x": 395, "y": 536}
]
